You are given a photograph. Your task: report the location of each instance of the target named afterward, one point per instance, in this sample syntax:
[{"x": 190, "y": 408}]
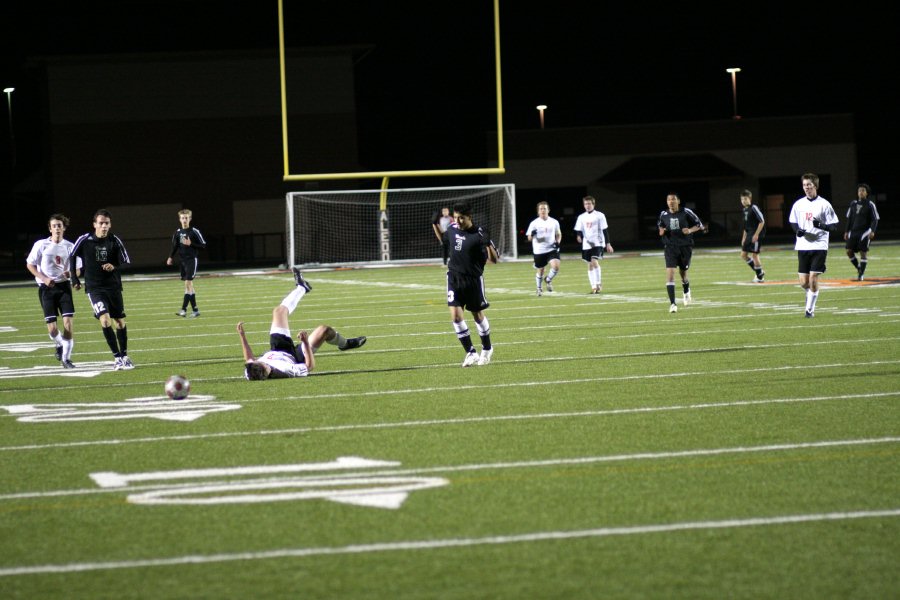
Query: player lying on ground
[{"x": 284, "y": 358}]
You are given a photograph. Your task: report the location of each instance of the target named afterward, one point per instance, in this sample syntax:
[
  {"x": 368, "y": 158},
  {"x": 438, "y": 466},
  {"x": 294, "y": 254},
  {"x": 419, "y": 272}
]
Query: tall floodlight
[
  {"x": 12, "y": 138},
  {"x": 734, "y": 71},
  {"x": 541, "y": 108}
]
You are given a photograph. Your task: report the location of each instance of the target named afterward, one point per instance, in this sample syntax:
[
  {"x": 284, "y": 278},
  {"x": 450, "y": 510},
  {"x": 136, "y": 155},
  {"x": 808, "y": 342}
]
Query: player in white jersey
[
  {"x": 592, "y": 232},
  {"x": 545, "y": 235},
  {"x": 284, "y": 359},
  {"x": 813, "y": 220},
  {"x": 48, "y": 261}
]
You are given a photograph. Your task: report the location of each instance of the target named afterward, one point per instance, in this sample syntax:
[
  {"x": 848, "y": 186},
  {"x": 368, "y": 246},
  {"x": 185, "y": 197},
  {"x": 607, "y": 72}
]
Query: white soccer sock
[
  {"x": 56, "y": 338},
  {"x": 552, "y": 274},
  {"x": 537, "y": 280},
  {"x": 811, "y": 298},
  {"x": 293, "y": 299},
  {"x": 338, "y": 340},
  {"x": 599, "y": 276},
  {"x": 461, "y": 329},
  {"x": 484, "y": 328},
  {"x": 67, "y": 346}
]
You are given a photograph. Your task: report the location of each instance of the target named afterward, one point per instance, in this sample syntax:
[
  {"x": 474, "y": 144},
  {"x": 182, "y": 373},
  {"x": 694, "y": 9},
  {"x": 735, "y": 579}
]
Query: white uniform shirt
[
  {"x": 543, "y": 234},
  {"x": 803, "y": 213},
  {"x": 284, "y": 363},
  {"x": 590, "y": 226},
  {"x": 51, "y": 259}
]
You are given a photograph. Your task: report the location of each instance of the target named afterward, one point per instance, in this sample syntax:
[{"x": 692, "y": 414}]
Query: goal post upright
[{"x": 498, "y": 170}]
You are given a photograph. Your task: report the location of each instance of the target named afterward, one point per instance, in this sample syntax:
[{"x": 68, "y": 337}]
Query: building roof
[{"x": 672, "y": 168}]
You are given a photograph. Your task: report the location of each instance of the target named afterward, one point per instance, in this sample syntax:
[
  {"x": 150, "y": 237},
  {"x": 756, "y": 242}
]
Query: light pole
[
  {"x": 12, "y": 138},
  {"x": 734, "y": 71},
  {"x": 541, "y": 108}
]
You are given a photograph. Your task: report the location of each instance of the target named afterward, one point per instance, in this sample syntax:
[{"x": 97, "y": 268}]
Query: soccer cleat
[
  {"x": 549, "y": 285},
  {"x": 687, "y": 299},
  {"x": 67, "y": 364},
  {"x": 127, "y": 364},
  {"x": 485, "y": 357},
  {"x": 860, "y": 278},
  {"x": 194, "y": 314},
  {"x": 539, "y": 292},
  {"x": 181, "y": 313},
  {"x": 354, "y": 343},
  {"x": 118, "y": 364},
  {"x": 759, "y": 279},
  {"x": 59, "y": 353},
  {"x": 470, "y": 359},
  {"x": 810, "y": 314},
  {"x": 673, "y": 308},
  {"x": 300, "y": 281}
]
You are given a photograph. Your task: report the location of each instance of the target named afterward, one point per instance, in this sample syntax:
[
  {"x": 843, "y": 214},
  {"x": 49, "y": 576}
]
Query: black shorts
[
  {"x": 107, "y": 302},
  {"x": 542, "y": 260},
  {"x": 750, "y": 246},
  {"x": 811, "y": 261},
  {"x": 56, "y": 300},
  {"x": 466, "y": 291},
  {"x": 592, "y": 253},
  {"x": 282, "y": 343},
  {"x": 679, "y": 256},
  {"x": 189, "y": 269},
  {"x": 857, "y": 242}
]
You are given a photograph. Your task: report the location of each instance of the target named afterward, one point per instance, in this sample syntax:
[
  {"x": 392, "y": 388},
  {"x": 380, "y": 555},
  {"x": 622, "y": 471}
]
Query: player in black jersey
[
  {"x": 862, "y": 221},
  {"x": 103, "y": 255},
  {"x": 186, "y": 242},
  {"x": 754, "y": 226},
  {"x": 677, "y": 227},
  {"x": 470, "y": 248}
]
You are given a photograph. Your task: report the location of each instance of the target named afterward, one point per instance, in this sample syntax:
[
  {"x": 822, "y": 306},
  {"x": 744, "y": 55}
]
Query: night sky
[{"x": 590, "y": 63}]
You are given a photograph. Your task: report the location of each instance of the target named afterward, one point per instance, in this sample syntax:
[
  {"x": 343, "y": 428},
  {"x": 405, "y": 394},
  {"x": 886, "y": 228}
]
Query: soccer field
[{"x": 734, "y": 449}]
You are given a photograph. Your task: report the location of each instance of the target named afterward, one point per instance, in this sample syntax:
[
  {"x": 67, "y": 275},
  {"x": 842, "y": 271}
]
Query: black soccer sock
[
  {"x": 685, "y": 287},
  {"x": 759, "y": 271},
  {"x": 184, "y": 302},
  {"x": 854, "y": 262},
  {"x": 110, "y": 336},
  {"x": 193, "y": 298},
  {"x": 670, "y": 289},
  {"x": 862, "y": 266},
  {"x": 486, "y": 342},
  {"x": 750, "y": 263},
  {"x": 122, "y": 335}
]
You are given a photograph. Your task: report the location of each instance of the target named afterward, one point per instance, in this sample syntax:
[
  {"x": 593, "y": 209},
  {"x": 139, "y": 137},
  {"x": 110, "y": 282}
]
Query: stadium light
[
  {"x": 734, "y": 71},
  {"x": 12, "y": 139},
  {"x": 541, "y": 108}
]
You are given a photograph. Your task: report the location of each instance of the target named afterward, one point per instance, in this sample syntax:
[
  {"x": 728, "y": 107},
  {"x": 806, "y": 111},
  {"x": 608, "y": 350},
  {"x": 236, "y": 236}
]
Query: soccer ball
[{"x": 178, "y": 387}]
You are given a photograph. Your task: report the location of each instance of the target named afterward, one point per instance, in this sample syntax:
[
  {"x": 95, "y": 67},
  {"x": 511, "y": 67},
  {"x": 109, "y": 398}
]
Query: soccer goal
[{"x": 392, "y": 225}]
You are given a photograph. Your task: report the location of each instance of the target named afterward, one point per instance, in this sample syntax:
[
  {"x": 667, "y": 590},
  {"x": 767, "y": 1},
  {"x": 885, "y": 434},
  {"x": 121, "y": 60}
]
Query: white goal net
[{"x": 393, "y": 225}]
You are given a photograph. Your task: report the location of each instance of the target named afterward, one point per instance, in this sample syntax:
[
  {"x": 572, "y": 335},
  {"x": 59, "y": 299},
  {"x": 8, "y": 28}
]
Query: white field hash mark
[
  {"x": 417, "y": 545},
  {"x": 388, "y": 491},
  {"x": 186, "y": 410}
]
